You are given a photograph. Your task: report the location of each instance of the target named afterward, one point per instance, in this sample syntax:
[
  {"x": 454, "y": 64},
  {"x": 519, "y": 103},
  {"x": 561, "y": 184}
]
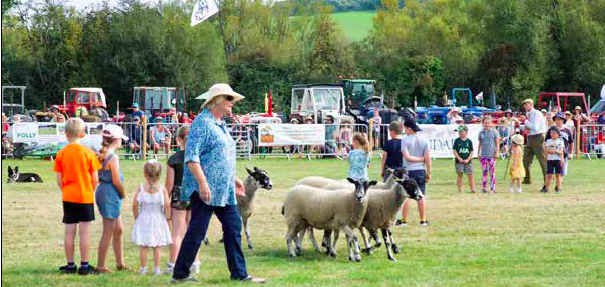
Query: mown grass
[
  {"x": 527, "y": 239},
  {"x": 356, "y": 25}
]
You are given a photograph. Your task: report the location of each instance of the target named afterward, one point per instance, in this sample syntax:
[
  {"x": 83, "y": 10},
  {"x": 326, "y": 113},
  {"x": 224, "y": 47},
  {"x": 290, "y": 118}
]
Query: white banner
[
  {"x": 288, "y": 134},
  {"x": 54, "y": 133},
  {"x": 441, "y": 138},
  {"x": 24, "y": 132},
  {"x": 202, "y": 10}
]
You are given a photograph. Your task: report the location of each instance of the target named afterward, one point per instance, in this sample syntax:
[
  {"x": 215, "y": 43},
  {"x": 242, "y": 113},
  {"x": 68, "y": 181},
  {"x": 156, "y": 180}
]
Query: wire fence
[{"x": 591, "y": 141}]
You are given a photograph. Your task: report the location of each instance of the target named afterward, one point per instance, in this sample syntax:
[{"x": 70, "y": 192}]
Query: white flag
[
  {"x": 479, "y": 97},
  {"x": 203, "y": 10}
]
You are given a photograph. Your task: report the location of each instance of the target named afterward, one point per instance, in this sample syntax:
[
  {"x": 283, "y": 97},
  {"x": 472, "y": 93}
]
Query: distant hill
[{"x": 356, "y": 25}]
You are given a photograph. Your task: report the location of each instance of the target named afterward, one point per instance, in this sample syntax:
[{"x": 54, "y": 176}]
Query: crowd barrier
[
  {"x": 591, "y": 141},
  {"x": 336, "y": 143}
]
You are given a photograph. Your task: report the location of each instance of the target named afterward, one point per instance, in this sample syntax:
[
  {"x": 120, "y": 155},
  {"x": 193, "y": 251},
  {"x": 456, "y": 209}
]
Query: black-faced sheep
[{"x": 307, "y": 206}]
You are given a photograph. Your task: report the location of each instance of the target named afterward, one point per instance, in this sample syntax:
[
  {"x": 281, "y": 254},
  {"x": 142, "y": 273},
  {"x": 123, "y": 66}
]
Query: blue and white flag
[{"x": 203, "y": 10}]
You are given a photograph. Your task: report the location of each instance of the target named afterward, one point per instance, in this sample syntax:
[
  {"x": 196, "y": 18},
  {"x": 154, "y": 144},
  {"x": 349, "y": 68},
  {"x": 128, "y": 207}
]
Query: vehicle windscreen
[
  {"x": 598, "y": 108},
  {"x": 366, "y": 88},
  {"x": 327, "y": 99},
  {"x": 84, "y": 98},
  {"x": 297, "y": 98}
]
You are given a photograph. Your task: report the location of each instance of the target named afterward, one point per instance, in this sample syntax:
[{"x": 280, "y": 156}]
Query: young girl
[
  {"x": 489, "y": 146},
  {"x": 359, "y": 158},
  {"x": 181, "y": 210},
  {"x": 109, "y": 195},
  {"x": 517, "y": 171},
  {"x": 151, "y": 208}
]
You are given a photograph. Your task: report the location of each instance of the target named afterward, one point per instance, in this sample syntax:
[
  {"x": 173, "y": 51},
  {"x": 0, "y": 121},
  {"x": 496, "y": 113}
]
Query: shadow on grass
[{"x": 308, "y": 255}]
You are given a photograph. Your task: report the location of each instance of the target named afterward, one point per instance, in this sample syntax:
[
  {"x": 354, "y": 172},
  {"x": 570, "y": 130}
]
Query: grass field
[
  {"x": 527, "y": 239},
  {"x": 356, "y": 25}
]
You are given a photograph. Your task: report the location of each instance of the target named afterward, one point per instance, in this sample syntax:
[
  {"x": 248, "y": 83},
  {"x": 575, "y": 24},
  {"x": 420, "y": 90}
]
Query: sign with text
[
  {"x": 288, "y": 134},
  {"x": 441, "y": 138},
  {"x": 54, "y": 134}
]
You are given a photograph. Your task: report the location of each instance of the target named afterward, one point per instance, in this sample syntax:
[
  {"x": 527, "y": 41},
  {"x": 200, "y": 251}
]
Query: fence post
[
  {"x": 144, "y": 145},
  {"x": 370, "y": 136},
  {"x": 577, "y": 140}
]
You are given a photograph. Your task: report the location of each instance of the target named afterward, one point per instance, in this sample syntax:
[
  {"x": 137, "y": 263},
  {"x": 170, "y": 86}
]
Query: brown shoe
[
  {"x": 124, "y": 268},
  {"x": 253, "y": 279},
  {"x": 104, "y": 270}
]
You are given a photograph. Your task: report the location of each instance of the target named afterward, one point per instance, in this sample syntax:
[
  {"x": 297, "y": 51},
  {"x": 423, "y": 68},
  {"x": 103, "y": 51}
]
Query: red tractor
[{"x": 80, "y": 101}]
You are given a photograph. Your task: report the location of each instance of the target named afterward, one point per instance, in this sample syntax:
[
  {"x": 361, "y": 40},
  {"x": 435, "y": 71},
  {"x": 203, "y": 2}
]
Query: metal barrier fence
[{"x": 591, "y": 141}]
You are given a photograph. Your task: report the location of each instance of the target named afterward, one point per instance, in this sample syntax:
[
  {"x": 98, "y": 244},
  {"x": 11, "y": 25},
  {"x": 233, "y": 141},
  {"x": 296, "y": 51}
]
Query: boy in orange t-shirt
[{"x": 76, "y": 167}]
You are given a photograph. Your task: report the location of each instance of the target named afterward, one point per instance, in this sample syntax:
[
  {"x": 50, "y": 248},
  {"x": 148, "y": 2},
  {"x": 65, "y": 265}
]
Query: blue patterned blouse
[
  {"x": 210, "y": 144},
  {"x": 358, "y": 164}
]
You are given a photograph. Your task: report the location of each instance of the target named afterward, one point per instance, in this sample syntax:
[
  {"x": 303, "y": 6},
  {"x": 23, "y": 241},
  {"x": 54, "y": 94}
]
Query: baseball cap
[
  {"x": 411, "y": 123},
  {"x": 135, "y": 105},
  {"x": 461, "y": 128},
  {"x": 114, "y": 131}
]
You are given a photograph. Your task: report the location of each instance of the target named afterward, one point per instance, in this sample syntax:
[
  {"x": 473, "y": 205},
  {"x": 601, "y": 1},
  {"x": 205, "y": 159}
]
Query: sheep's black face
[
  {"x": 261, "y": 177},
  {"x": 411, "y": 187},
  {"x": 401, "y": 173},
  {"x": 361, "y": 187}
]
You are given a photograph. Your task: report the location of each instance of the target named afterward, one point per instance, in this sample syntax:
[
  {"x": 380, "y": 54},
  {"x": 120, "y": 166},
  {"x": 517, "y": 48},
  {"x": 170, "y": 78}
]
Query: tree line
[{"x": 513, "y": 48}]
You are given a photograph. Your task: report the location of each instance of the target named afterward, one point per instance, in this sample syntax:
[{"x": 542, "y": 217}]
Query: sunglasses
[{"x": 229, "y": 98}]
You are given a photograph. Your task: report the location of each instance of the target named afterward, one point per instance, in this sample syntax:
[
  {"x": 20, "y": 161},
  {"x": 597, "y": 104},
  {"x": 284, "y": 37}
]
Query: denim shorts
[{"x": 420, "y": 177}]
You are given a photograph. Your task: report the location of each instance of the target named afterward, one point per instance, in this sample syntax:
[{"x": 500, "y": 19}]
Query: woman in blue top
[
  {"x": 210, "y": 184},
  {"x": 359, "y": 158}
]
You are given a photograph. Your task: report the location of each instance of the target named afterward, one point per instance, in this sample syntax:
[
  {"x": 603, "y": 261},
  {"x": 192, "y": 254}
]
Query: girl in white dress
[{"x": 151, "y": 208}]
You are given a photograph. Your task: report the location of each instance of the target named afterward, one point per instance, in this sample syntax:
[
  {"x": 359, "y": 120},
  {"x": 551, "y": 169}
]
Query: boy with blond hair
[{"x": 76, "y": 167}]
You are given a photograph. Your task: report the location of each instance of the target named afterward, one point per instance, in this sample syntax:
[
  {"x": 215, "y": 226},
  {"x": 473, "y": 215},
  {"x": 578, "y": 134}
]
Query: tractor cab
[
  {"x": 359, "y": 92},
  {"x": 160, "y": 101},
  {"x": 318, "y": 101},
  {"x": 599, "y": 108},
  {"x": 83, "y": 99}
]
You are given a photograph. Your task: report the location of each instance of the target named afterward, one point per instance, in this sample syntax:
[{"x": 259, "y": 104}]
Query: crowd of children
[{"x": 85, "y": 178}]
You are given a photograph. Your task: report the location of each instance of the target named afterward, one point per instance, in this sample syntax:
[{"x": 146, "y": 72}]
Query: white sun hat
[
  {"x": 114, "y": 131},
  {"x": 218, "y": 90}
]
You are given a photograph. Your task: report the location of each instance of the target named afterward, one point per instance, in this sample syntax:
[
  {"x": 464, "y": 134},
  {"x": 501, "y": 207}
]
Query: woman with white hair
[{"x": 210, "y": 184}]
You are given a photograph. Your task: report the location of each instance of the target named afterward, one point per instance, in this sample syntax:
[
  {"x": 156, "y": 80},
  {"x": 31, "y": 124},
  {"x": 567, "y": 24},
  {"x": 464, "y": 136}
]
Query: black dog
[{"x": 15, "y": 176}]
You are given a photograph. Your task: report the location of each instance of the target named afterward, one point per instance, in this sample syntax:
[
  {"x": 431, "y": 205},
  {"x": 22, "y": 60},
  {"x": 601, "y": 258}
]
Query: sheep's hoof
[
  {"x": 323, "y": 244},
  {"x": 351, "y": 259},
  {"x": 395, "y": 249},
  {"x": 250, "y": 247},
  {"x": 292, "y": 255},
  {"x": 298, "y": 251},
  {"x": 332, "y": 254},
  {"x": 357, "y": 258},
  {"x": 377, "y": 244},
  {"x": 392, "y": 258},
  {"x": 368, "y": 251}
]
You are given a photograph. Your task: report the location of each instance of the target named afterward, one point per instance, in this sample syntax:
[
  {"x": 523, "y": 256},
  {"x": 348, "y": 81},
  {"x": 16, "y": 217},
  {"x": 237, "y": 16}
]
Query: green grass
[
  {"x": 527, "y": 239},
  {"x": 356, "y": 25}
]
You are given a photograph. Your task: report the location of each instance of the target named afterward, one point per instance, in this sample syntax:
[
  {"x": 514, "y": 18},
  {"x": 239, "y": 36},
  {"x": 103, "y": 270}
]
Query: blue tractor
[{"x": 438, "y": 115}]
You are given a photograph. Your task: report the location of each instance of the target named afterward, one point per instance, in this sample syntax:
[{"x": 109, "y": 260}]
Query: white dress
[{"x": 151, "y": 228}]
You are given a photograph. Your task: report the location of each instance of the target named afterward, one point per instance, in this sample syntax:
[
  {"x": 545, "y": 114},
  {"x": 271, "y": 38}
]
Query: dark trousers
[
  {"x": 534, "y": 147},
  {"x": 232, "y": 227}
]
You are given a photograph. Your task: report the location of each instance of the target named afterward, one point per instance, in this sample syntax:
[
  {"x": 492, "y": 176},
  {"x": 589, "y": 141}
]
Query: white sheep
[
  {"x": 388, "y": 184},
  {"x": 322, "y": 182},
  {"x": 344, "y": 210},
  {"x": 381, "y": 213}
]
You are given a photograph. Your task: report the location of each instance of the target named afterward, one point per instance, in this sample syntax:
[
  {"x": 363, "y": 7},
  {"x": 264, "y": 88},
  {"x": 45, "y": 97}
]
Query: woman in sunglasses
[{"x": 210, "y": 184}]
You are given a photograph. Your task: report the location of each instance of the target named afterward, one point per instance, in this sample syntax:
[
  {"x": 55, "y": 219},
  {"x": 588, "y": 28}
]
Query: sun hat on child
[
  {"x": 518, "y": 139},
  {"x": 114, "y": 131}
]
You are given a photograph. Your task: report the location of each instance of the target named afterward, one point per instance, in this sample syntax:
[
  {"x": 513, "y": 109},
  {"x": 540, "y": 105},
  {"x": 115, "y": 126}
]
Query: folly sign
[{"x": 25, "y": 132}]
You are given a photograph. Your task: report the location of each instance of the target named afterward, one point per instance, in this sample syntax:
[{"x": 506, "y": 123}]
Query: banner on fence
[
  {"x": 441, "y": 138},
  {"x": 287, "y": 134},
  {"x": 45, "y": 134}
]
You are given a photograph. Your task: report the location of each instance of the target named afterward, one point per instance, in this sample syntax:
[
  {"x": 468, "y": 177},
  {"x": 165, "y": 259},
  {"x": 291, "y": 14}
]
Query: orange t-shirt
[{"x": 76, "y": 163}]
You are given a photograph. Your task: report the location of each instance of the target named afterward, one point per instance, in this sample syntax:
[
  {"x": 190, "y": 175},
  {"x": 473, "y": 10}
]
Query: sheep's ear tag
[{"x": 249, "y": 171}]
